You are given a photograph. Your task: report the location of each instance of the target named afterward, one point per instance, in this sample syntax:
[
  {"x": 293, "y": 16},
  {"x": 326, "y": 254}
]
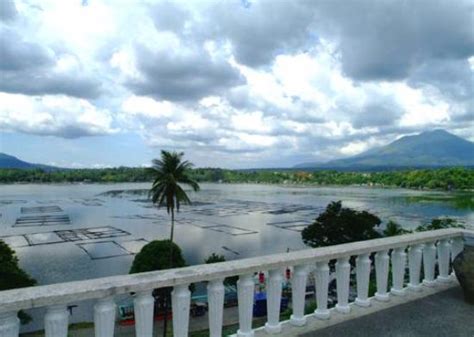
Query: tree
[
  {"x": 338, "y": 225},
  {"x": 12, "y": 276},
  {"x": 393, "y": 229},
  {"x": 439, "y": 223},
  {"x": 169, "y": 172}
]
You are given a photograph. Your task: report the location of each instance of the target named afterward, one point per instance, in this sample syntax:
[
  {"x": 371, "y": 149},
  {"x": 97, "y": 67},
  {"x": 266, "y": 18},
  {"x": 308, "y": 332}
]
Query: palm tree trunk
[
  {"x": 167, "y": 299},
  {"x": 172, "y": 225}
]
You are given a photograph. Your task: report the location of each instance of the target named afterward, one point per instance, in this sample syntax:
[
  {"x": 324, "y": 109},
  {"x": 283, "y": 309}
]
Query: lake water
[{"x": 72, "y": 232}]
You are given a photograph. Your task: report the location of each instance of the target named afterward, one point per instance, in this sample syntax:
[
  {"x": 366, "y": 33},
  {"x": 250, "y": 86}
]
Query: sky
[{"x": 235, "y": 84}]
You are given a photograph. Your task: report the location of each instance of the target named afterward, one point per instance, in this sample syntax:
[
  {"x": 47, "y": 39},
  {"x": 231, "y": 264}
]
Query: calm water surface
[{"x": 234, "y": 220}]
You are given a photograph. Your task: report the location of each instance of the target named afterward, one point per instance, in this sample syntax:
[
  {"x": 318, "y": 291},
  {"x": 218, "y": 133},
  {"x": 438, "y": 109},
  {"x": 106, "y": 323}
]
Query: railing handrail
[{"x": 63, "y": 293}]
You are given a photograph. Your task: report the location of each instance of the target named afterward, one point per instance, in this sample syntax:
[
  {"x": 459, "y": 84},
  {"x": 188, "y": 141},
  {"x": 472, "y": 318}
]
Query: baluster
[
  {"x": 298, "y": 289},
  {"x": 363, "y": 278},
  {"x": 215, "y": 294},
  {"x": 104, "y": 317},
  {"x": 56, "y": 321},
  {"x": 9, "y": 324},
  {"x": 444, "y": 247},
  {"x": 381, "y": 274},
  {"x": 414, "y": 265},
  {"x": 275, "y": 279},
  {"x": 180, "y": 302},
  {"x": 429, "y": 260},
  {"x": 144, "y": 305},
  {"x": 343, "y": 270},
  {"x": 322, "y": 288},
  {"x": 245, "y": 292},
  {"x": 398, "y": 271}
]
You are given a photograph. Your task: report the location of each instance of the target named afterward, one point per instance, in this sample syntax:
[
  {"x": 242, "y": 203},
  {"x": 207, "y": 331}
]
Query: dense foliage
[
  {"x": 337, "y": 225},
  {"x": 156, "y": 256},
  {"x": 457, "y": 178},
  {"x": 12, "y": 276}
]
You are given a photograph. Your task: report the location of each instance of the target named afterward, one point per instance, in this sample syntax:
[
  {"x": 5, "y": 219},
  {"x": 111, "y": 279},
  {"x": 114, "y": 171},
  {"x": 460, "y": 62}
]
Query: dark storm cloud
[
  {"x": 182, "y": 76},
  {"x": 386, "y": 40},
  {"x": 28, "y": 68},
  {"x": 8, "y": 10}
]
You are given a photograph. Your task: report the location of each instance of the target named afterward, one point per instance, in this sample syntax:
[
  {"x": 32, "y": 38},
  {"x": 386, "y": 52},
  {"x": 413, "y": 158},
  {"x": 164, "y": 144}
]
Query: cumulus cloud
[
  {"x": 274, "y": 82},
  {"x": 59, "y": 116}
]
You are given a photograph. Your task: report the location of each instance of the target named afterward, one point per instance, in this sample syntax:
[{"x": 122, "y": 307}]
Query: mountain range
[
  {"x": 428, "y": 149},
  {"x": 11, "y": 162}
]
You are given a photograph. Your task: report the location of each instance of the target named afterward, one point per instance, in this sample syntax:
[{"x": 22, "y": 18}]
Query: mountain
[
  {"x": 7, "y": 161},
  {"x": 427, "y": 149}
]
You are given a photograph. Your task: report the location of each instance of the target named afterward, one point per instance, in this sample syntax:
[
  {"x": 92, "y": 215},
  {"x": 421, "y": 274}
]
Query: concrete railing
[{"x": 424, "y": 251}]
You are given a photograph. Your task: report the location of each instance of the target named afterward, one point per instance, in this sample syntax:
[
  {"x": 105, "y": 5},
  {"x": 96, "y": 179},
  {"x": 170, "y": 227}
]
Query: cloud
[
  {"x": 8, "y": 10},
  {"x": 181, "y": 75},
  {"x": 59, "y": 116}
]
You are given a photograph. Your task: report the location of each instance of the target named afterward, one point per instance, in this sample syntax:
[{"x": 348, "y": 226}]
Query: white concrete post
[
  {"x": 399, "y": 261},
  {"x": 144, "y": 305},
  {"x": 414, "y": 265},
  {"x": 9, "y": 324},
  {"x": 104, "y": 317},
  {"x": 274, "y": 282},
  {"x": 180, "y": 302},
  {"x": 322, "y": 287},
  {"x": 298, "y": 294},
  {"x": 457, "y": 246},
  {"x": 429, "y": 260},
  {"x": 215, "y": 295},
  {"x": 245, "y": 293},
  {"x": 343, "y": 271},
  {"x": 444, "y": 248},
  {"x": 381, "y": 274},
  {"x": 363, "y": 278},
  {"x": 56, "y": 321}
]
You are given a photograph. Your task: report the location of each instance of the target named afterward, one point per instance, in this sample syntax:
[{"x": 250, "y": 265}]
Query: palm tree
[{"x": 169, "y": 172}]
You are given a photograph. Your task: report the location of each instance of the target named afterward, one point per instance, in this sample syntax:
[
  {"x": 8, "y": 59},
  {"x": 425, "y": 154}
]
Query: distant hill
[
  {"x": 11, "y": 162},
  {"x": 436, "y": 148}
]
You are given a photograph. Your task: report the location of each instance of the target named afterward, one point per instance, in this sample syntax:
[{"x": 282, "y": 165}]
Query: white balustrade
[
  {"x": 56, "y": 321},
  {"x": 245, "y": 293},
  {"x": 343, "y": 273},
  {"x": 144, "y": 305},
  {"x": 215, "y": 295},
  {"x": 9, "y": 324},
  {"x": 181, "y": 301},
  {"x": 104, "y": 317},
  {"x": 298, "y": 288},
  {"x": 363, "y": 278},
  {"x": 444, "y": 249},
  {"x": 414, "y": 266},
  {"x": 274, "y": 284},
  {"x": 381, "y": 274},
  {"x": 399, "y": 258},
  {"x": 422, "y": 252},
  {"x": 429, "y": 261},
  {"x": 322, "y": 286}
]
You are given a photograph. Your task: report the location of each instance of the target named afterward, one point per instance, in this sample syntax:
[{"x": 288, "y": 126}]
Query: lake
[{"x": 71, "y": 232}]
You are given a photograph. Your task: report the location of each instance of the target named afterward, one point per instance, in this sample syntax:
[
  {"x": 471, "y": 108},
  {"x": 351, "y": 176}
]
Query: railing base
[
  {"x": 297, "y": 321},
  {"x": 382, "y": 297},
  {"x": 273, "y": 329},
  {"x": 322, "y": 314},
  {"x": 398, "y": 292},
  {"x": 362, "y": 303}
]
